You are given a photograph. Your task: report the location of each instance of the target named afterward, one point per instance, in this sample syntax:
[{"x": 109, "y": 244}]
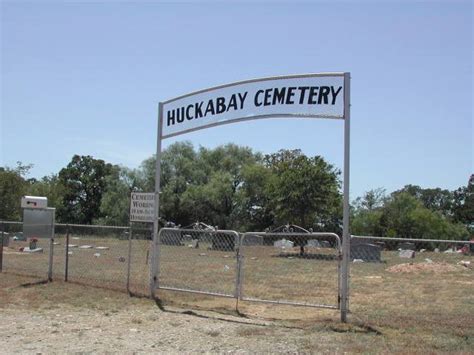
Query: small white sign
[{"x": 142, "y": 207}]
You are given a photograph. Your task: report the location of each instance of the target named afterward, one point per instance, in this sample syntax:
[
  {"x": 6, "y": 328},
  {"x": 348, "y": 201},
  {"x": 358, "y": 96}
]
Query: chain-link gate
[
  {"x": 291, "y": 268},
  {"x": 198, "y": 261}
]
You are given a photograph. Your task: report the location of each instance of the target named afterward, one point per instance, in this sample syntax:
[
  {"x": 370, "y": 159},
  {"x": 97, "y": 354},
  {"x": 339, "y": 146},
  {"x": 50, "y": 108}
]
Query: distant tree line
[{"x": 233, "y": 187}]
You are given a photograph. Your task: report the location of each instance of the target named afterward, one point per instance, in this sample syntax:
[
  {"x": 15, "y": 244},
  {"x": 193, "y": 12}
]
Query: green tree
[
  {"x": 406, "y": 217},
  {"x": 435, "y": 199},
  {"x": 253, "y": 198},
  {"x": 463, "y": 205},
  {"x": 83, "y": 182},
  {"x": 305, "y": 190},
  {"x": 13, "y": 186},
  {"x": 48, "y": 186},
  {"x": 115, "y": 202}
]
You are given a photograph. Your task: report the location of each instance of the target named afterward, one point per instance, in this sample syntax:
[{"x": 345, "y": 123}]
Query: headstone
[
  {"x": 28, "y": 250},
  {"x": 366, "y": 252},
  {"x": 187, "y": 239},
  {"x": 72, "y": 246},
  {"x": 97, "y": 255},
  {"x": 19, "y": 237},
  {"x": 102, "y": 248},
  {"x": 408, "y": 254},
  {"x": 313, "y": 243},
  {"x": 283, "y": 243},
  {"x": 6, "y": 239},
  {"x": 194, "y": 244},
  {"x": 252, "y": 240},
  {"x": 85, "y": 247},
  {"x": 406, "y": 246},
  {"x": 325, "y": 244}
]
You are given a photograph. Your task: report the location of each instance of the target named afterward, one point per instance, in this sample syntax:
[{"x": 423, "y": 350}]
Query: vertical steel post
[
  {"x": 154, "y": 266},
  {"x": 1, "y": 247},
  {"x": 346, "y": 232},
  {"x": 66, "y": 265},
  {"x": 51, "y": 246},
  {"x": 129, "y": 256}
]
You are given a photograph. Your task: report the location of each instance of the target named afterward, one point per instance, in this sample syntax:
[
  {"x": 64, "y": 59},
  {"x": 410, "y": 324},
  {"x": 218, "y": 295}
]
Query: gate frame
[
  {"x": 290, "y": 303},
  {"x": 346, "y": 207},
  {"x": 237, "y": 262}
]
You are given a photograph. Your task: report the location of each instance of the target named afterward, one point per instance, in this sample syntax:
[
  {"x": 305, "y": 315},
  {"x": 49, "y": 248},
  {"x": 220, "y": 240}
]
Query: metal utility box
[
  {"x": 34, "y": 202},
  {"x": 38, "y": 223}
]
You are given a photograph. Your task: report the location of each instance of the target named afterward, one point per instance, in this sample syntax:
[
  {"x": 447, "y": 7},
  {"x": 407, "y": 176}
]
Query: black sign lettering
[
  {"x": 323, "y": 94},
  {"x": 266, "y": 96},
  {"x": 334, "y": 94},
  {"x": 279, "y": 96},
  {"x": 289, "y": 95},
  {"x": 257, "y": 103}
]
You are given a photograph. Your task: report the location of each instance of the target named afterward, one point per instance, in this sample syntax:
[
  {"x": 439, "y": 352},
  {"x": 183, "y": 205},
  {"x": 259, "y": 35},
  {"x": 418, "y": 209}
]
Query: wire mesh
[
  {"x": 406, "y": 281},
  {"x": 97, "y": 255},
  {"x": 22, "y": 255},
  {"x": 203, "y": 261},
  {"x": 291, "y": 268},
  {"x": 140, "y": 257}
]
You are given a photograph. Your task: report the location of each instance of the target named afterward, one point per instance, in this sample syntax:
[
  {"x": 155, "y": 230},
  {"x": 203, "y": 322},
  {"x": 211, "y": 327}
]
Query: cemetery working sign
[{"x": 142, "y": 207}]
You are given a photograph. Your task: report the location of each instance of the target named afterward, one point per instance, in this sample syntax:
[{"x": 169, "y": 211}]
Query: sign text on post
[{"x": 142, "y": 207}]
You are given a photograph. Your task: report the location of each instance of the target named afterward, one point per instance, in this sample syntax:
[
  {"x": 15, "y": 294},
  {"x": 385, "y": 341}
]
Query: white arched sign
[{"x": 323, "y": 95}]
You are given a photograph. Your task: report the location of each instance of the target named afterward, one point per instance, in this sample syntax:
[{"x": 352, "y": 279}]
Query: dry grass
[{"x": 422, "y": 310}]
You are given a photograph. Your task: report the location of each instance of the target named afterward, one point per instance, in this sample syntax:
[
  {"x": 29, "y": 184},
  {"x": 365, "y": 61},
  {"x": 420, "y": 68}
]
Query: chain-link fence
[
  {"x": 291, "y": 268},
  {"x": 391, "y": 280},
  {"x": 96, "y": 255},
  {"x": 405, "y": 281},
  {"x": 25, "y": 256},
  {"x": 200, "y": 261},
  {"x": 105, "y": 256},
  {"x": 141, "y": 236}
]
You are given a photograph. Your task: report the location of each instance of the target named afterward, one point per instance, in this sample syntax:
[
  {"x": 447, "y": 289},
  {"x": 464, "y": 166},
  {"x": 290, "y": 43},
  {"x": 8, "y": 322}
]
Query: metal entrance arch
[{"x": 319, "y": 97}]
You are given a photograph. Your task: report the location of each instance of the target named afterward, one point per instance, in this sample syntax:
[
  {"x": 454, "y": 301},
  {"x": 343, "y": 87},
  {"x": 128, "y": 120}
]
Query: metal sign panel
[
  {"x": 306, "y": 96},
  {"x": 38, "y": 223},
  {"x": 142, "y": 207}
]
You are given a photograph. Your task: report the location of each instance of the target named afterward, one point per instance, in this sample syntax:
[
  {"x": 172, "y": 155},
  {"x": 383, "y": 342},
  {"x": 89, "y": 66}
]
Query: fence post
[
  {"x": 66, "y": 265},
  {"x": 238, "y": 278},
  {"x": 129, "y": 255},
  {"x": 51, "y": 247},
  {"x": 1, "y": 248}
]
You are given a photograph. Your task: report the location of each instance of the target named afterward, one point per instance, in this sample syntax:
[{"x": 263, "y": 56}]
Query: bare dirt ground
[{"x": 70, "y": 318}]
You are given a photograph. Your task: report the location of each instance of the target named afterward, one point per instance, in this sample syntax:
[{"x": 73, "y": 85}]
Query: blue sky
[{"x": 85, "y": 78}]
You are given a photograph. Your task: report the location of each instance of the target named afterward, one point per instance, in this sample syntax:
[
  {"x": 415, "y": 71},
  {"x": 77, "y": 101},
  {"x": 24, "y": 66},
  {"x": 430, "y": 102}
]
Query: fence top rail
[
  {"x": 91, "y": 226},
  {"x": 224, "y": 231},
  {"x": 413, "y": 239},
  {"x": 10, "y": 222},
  {"x": 316, "y": 234}
]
